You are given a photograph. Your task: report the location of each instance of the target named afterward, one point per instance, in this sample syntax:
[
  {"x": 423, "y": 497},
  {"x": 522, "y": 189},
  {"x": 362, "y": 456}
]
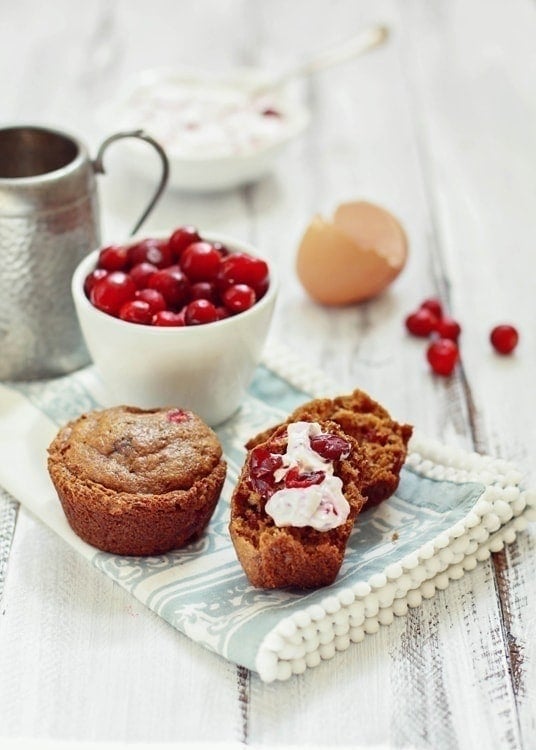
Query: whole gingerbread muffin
[
  {"x": 137, "y": 482},
  {"x": 383, "y": 441},
  {"x": 295, "y": 504}
]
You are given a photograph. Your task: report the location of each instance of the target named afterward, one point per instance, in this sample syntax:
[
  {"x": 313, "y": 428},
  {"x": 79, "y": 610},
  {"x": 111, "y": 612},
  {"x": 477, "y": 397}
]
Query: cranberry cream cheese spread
[{"x": 311, "y": 495}]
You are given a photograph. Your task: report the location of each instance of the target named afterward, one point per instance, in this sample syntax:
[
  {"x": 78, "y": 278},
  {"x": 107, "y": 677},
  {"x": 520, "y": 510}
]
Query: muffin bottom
[{"x": 136, "y": 524}]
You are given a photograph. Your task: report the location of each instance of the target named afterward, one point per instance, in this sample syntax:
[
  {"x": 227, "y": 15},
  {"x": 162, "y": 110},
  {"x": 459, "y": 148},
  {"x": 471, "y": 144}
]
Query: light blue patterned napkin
[{"x": 451, "y": 509}]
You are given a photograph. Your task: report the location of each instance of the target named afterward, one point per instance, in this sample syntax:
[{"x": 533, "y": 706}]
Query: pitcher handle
[{"x": 98, "y": 166}]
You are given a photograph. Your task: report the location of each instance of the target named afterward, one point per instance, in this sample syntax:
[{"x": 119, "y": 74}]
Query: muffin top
[
  {"x": 127, "y": 449},
  {"x": 383, "y": 441}
]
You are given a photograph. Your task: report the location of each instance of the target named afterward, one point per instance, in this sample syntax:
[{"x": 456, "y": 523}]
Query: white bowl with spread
[{"x": 218, "y": 132}]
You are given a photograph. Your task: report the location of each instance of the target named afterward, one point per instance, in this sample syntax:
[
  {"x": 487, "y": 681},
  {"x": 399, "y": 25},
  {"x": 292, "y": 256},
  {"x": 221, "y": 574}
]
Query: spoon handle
[{"x": 343, "y": 51}]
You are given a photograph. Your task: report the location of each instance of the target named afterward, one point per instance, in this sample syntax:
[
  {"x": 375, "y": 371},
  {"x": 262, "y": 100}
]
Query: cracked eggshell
[{"x": 353, "y": 257}]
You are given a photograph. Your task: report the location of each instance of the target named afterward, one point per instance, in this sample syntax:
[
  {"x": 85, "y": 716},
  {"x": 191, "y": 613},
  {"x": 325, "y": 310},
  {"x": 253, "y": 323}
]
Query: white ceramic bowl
[
  {"x": 205, "y": 368},
  {"x": 201, "y": 170}
]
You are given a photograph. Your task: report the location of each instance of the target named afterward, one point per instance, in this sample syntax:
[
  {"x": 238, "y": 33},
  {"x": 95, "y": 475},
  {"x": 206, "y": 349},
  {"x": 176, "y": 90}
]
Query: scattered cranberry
[
  {"x": 238, "y": 297},
  {"x": 434, "y": 305},
  {"x": 504, "y": 338},
  {"x": 422, "y": 322},
  {"x": 181, "y": 238},
  {"x": 199, "y": 312},
  {"x": 330, "y": 447},
  {"x": 136, "y": 311},
  {"x": 443, "y": 355},
  {"x": 110, "y": 293},
  {"x": 448, "y": 328}
]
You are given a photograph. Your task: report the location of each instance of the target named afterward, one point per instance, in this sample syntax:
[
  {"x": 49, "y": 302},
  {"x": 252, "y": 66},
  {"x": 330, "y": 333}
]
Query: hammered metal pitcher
[{"x": 49, "y": 221}]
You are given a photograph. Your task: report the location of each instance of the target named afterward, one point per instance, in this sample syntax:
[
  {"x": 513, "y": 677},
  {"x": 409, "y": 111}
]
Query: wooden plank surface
[{"x": 439, "y": 127}]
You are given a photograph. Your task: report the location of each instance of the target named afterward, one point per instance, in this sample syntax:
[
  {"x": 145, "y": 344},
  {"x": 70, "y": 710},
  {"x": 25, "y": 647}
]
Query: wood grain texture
[
  {"x": 94, "y": 664},
  {"x": 8, "y": 517},
  {"x": 439, "y": 127}
]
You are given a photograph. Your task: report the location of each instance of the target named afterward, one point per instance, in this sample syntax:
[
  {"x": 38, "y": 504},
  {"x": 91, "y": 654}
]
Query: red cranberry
[
  {"x": 504, "y": 338},
  {"x": 168, "y": 319},
  {"x": 223, "y": 313},
  {"x": 448, "y": 328},
  {"x": 142, "y": 272},
  {"x": 144, "y": 251},
  {"x": 178, "y": 415},
  {"x": 136, "y": 311},
  {"x": 172, "y": 285},
  {"x": 238, "y": 298},
  {"x": 92, "y": 278},
  {"x": 223, "y": 251},
  {"x": 434, "y": 305},
  {"x": 296, "y": 480},
  {"x": 199, "y": 312},
  {"x": 168, "y": 257},
  {"x": 422, "y": 322},
  {"x": 443, "y": 355},
  {"x": 261, "y": 288},
  {"x": 153, "y": 298},
  {"x": 113, "y": 258},
  {"x": 181, "y": 238},
  {"x": 240, "y": 268},
  {"x": 200, "y": 261},
  {"x": 157, "y": 252},
  {"x": 330, "y": 447},
  {"x": 262, "y": 465},
  {"x": 111, "y": 293},
  {"x": 271, "y": 112},
  {"x": 204, "y": 290}
]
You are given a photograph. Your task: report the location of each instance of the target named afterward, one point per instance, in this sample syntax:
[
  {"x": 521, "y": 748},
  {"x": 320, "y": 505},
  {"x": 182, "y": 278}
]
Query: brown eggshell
[
  {"x": 352, "y": 258},
  {"x": 374, "y": 228}
]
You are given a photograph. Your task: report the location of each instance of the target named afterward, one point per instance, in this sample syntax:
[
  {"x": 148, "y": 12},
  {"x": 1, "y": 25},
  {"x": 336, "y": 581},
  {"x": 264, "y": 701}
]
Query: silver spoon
[{"x": 343, "y": 51}]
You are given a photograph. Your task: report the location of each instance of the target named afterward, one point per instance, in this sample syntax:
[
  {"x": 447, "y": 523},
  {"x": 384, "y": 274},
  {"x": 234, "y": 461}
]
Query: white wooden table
[{"x": 439, "y": 127}]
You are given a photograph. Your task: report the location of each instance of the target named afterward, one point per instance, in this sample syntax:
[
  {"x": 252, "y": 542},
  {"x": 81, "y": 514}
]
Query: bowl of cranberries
[{"x": 176, "y": 319}]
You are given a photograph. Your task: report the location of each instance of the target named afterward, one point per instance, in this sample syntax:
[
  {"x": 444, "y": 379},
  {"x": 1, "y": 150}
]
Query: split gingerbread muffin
[
  {"x": 137, "y": 482},
  {"x": 295, "y": 504},
  {"x": 383, "y": 441}
]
